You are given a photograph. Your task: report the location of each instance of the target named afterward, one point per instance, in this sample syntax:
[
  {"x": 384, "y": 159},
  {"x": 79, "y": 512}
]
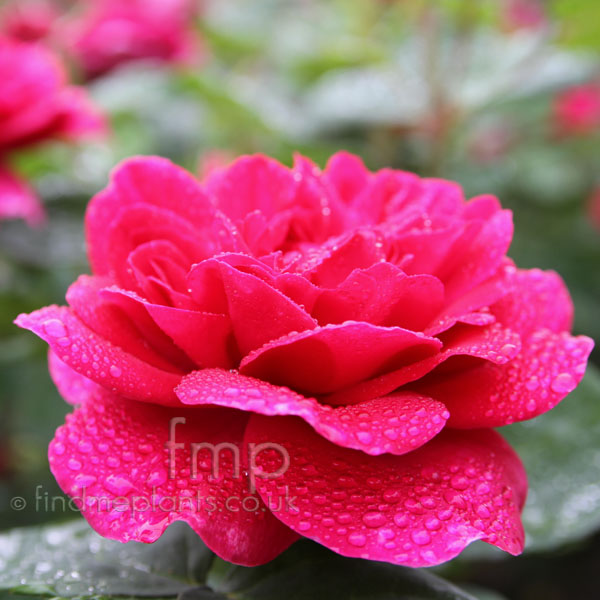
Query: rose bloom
[
  {"x": 523, "y": 14},
  {"x": 113, "y": 32},
  {"x": 36, "y": 104},
  {"x": 364, "y": 331},
  {"x": 576, "y": 110},
  {"x": 28, "y": 20}
]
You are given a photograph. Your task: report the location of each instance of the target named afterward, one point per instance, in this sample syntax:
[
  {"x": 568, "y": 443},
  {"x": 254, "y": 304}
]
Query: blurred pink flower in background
[
  {"x": 524, "y": 14},
  {"x": 594, "y": 207},
  {"x": 28, "y": 20},
  {"x": 576, "y": 110},
  {"x": 18, "y": 200},
  {"x": 112, "y": 32},
  {"x": 36, "y": 104}
]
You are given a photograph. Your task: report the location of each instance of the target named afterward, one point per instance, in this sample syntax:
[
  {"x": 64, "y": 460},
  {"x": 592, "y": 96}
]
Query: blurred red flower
[
  {"x": 112, "y": 32},
  {"x": 36, "y": 104},
  {"x": 28, "y": 20},
  {"x": 576, "y": 110},
  {"x": 523, "y": 14}
]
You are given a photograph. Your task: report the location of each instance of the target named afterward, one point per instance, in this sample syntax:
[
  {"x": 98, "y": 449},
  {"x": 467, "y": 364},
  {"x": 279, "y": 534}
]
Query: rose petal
[
  {"x": 72, "y": 386},
  {"x": 122, "y": 476},
  {"x": 258, "y": 312},
  {"x": 382, "y": 295},
  {"x": 474, "y": 305},
  {"x": 123, "y": 323},
  {"x": 419, "y": 509},
  {"x": 330, "y": 264},
  {"x": 99, "y": 360},
  {"x": 462, "y": 344},
  {"x": 139, "y": 224},
  {"x": 252, "y": 183},
  {"x": 347, "y": 174},
  {"x": 335, "y": 356},
  {"x": 482, "y": 258},
  {"x": 549, "y": 366},
  {"x": 539, "y": 299},
  {"x": 156, "y": 182},
  {"x": 396, "y": 424}
]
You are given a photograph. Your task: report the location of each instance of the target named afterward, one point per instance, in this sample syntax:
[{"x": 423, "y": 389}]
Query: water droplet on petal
[
  {"x": 563, "y": 383},
  {"x": 373, "y": 519},
  {"x": 420, "y": 537},
  {"x": 115, "y": 371},
  {"x": 55, "y": 328},
  {"x": 357, "y": 539}
]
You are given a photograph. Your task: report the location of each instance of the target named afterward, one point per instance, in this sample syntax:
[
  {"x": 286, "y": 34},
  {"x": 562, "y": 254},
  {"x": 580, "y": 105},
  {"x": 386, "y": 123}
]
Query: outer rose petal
[
  {"x": 494, "y": 343},
  {"x": 397, "y": 423},
  {"x": 549, "y": 366},
  {"x": 18, "y": 200},
  {"x": 122, "y": 472},
  {"x": 328, "y": 358},
  {"x": 205, "y": 337},
  {"x": 483, "y": 257},
  {"x": 127, "y": 326},
  {"x": 72, "y": 386},
  {"x": 419, "y": 509},
  {"x": 158, "y": 182},
  {"x": 539, "y": 299},
  {"x": 89, "y": 354}
]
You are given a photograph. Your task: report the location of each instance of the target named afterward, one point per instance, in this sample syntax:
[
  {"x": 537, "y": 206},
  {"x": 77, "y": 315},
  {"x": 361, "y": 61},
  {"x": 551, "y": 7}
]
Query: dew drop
[
  {"x": 115, "y": 371},
  {"x": 54, "y": 328},
  {"x": 357, "y": 539},
  {"x": 118, "y": 484},
  {"x": 563, "y": 383},
  {"x": 364, "y": 437},
  {"x": 373, "y": 519},
  {"x": 420, "y": 537},
  {"x": 459, "y": 483}
]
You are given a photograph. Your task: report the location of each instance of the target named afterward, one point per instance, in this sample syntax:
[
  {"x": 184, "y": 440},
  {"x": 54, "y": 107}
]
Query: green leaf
[
  {"x": 561, "y": 452},
  {"x": 310, "y": 571},
  {"x": 71, "y": 561}
]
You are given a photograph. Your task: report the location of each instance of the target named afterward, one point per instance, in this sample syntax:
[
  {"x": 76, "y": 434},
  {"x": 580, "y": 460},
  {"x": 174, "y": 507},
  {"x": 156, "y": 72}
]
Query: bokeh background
[{"x": 502, "y": 96}]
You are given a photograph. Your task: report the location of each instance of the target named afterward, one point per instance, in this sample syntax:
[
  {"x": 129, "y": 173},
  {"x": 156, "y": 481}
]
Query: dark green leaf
[
  {"x": 310, "y": 572},
  {"x": 73, "y": 561},
  {"x": 561, "y": 452}
]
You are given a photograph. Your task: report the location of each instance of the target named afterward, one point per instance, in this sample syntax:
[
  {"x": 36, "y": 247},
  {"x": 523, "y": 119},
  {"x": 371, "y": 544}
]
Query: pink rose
[
  {"x": 113, "y": 32},
  {"x": 36, "y": 104},
  {"x": 28, "y": 20},
  {"x": 343, "y": 341},
  {"x": 577, "y": 109},
  {"x": 18, "y": 200},
  {"x": 524, "y": 14}
]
